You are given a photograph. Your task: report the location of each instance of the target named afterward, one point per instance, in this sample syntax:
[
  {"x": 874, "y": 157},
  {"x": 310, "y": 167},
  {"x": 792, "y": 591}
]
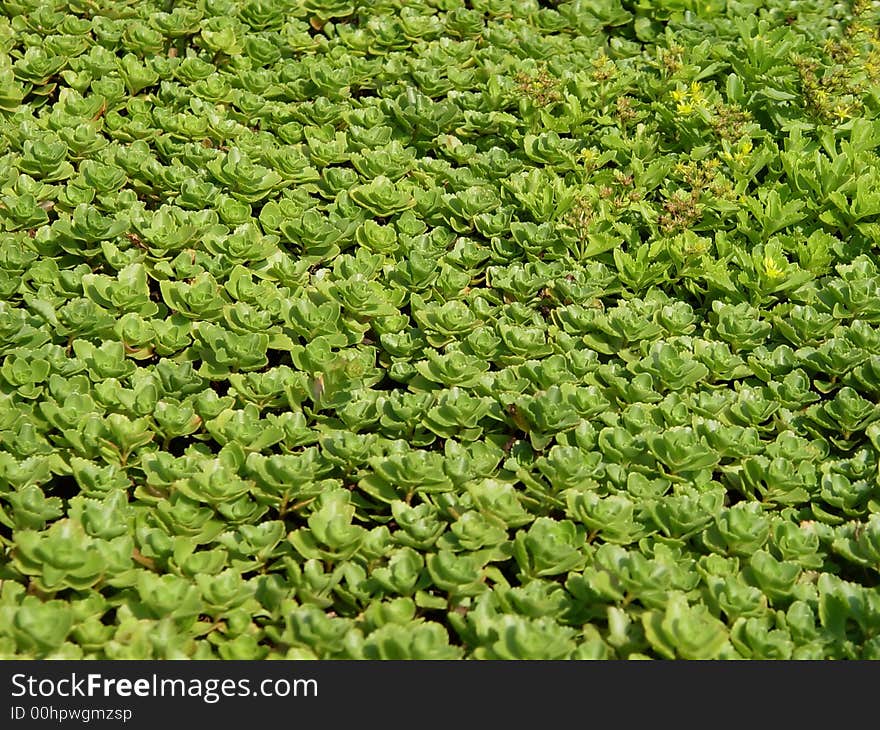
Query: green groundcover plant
[{"x": 439, "y": 329}]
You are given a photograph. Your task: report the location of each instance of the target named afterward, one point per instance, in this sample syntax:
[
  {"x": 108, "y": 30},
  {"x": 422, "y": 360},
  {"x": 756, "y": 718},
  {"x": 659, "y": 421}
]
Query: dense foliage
[{"x": 439, "y": 329}]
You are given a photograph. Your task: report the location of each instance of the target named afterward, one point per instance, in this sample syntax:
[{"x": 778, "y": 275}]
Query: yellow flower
[
  {"x": 772, "y": 269},
  {"x": 588, "y": 157},
  {"x": 841, "y": 111}
]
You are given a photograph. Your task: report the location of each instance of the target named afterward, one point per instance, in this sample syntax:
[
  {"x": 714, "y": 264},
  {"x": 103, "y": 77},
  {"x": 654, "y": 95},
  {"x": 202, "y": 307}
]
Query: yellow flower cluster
[
  {"x": 740, "y": 154},
  {"x": 688, "y": 99}
]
